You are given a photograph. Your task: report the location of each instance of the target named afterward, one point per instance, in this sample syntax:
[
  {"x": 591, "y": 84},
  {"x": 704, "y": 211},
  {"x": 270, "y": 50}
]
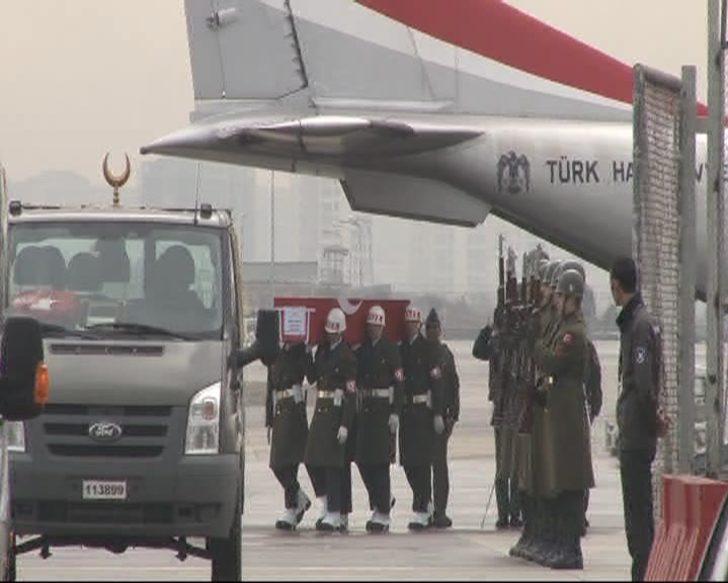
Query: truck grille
[{"x": 65, "y": 430}]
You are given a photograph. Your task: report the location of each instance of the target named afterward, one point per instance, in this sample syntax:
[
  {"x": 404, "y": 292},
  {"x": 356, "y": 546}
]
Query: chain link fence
[{"x": 658, "y": 226}]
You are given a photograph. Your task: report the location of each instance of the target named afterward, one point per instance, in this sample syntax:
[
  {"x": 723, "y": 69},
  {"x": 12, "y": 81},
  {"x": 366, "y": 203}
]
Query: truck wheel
[{"x": 227, "y": 552}]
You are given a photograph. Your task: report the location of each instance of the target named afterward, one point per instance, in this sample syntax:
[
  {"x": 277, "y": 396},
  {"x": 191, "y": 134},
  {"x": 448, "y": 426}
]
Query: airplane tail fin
[
  {"x": 470, "y": 56},
  {"x": 243, "y": 50}
]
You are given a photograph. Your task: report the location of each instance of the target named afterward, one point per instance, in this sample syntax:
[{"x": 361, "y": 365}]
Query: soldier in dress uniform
[
  {"x": 451, "y": 415},
  {"x": 334, "y": 372},
  {"x": 567, "y": 469},
  {"x": 422, "y": 416},
  {"x": 523, "y": 459},
  {"x": 541, "y": 540},
  {"x": 380, "y": 377},
  {"x": 286, "y": 417}
]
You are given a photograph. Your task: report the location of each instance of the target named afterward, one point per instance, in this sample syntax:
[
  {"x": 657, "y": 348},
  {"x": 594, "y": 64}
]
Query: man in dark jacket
[
  {"x": 451, "y": 414},
  {"x": 334, "y": 373},
  {"x": 379, "y": 391},
  {"x": 421, "y": 416},
  {"x": 637, "y": 411},
  {"x": 286, "y": 418}
]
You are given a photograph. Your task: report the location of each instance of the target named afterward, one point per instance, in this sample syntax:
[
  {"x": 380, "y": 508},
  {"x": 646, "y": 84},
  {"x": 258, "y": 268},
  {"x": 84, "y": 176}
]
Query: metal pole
[
  {"x": 715, "y": 207},
  {"x": 271, "y": 274},
  {"x": 686, "y": 201}
]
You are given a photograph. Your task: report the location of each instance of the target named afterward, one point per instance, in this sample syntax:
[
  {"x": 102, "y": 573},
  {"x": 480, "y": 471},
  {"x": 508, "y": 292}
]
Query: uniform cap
[
  {"x": 571, "y": 283},
  {"x": 413, "y": 314},
  {"x": 335, "y": 322},
  {"x": 376, "y": 316},
  {"x": 573, "y": 265}
]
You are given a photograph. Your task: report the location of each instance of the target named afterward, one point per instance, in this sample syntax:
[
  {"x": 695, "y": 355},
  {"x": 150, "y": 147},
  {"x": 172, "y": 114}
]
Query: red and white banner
[{"x": 303, "y": 319}]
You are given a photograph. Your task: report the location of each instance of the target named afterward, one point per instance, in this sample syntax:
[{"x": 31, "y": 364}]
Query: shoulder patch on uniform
[
  {"x": 351, "y": 386},
  {"x": 640, "y": 355},
  {"x": 568, "y": 338},
  {"x": 399, "y": 375},
  {"x": 436, "y": 373}
]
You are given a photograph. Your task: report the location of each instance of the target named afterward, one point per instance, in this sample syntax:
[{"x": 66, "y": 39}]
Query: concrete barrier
[{"x": 690, "y": 509}]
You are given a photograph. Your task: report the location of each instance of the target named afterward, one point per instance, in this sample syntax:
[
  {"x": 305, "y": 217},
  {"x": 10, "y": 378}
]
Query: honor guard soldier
[
  {"x": 286, "y": 417},
  {"x": 421, "y": 416},
  {"x": 568, "y": 472},
  {"x": 334, "y": 372},
  {"x": 380, "y": 377},
  {"x": 450, "y": 414},
  {"x": 540, "y": 543},
  {"x": 523, "y": 456}
]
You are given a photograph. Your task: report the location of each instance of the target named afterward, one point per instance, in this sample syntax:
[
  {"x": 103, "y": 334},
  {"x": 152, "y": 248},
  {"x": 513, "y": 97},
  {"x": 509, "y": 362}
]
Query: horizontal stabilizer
[{"x": 412, "y": 198}]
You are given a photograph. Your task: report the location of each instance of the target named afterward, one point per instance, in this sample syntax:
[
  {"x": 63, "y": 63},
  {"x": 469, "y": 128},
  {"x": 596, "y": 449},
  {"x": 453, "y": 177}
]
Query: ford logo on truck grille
[{"x": 105, "y": 432}]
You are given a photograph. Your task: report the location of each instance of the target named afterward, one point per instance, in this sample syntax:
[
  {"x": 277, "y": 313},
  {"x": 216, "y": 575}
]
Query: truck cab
[{"x": 142, "y": 441}]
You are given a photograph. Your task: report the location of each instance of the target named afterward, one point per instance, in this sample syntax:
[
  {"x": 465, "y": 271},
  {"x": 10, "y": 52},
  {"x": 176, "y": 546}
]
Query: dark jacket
[
  {"x": 639, "y": 366},
  {"x": 421, "y": 361},
  {"x": 451, "y": 386},
  {"x": 333, "y": 370},
  {"x": 379, "y": 367},
  {"x": 286, "y": 417}
]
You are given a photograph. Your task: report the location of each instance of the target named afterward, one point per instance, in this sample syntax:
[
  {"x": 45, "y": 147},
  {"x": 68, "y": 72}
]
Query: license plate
[{"x": 102, "y": 490}]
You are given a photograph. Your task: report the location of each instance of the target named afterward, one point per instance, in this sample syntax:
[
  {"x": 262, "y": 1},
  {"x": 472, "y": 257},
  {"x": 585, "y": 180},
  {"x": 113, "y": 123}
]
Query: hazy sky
[{"x": 79, "y": 77}]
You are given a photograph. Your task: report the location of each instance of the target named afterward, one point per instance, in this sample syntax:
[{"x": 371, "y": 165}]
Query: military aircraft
[{"x": 428, "y": 109}]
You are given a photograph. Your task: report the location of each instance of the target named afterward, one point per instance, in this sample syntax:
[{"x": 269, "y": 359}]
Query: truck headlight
[
  {"x": 15, "y": 433},
  {"x": 203, "y": 423}
]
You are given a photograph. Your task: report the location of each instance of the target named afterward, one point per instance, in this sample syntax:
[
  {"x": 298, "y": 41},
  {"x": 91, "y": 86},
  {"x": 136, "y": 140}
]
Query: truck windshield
[{"x": 115, "y": 279}]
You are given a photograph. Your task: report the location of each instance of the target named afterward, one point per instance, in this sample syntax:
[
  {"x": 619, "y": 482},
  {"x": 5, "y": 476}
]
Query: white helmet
[
  {"x": 376, "y": 316},
  {"x": 413, "y": 314},
  {"x": 336, "y": 322}
]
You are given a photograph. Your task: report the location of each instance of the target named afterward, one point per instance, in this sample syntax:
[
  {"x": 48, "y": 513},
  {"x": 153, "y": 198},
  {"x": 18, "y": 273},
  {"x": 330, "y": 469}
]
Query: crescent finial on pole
[{"x": 116, "y": 182}]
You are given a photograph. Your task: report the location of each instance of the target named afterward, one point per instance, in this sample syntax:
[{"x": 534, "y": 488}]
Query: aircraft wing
[{"x": 356, "y": 149}]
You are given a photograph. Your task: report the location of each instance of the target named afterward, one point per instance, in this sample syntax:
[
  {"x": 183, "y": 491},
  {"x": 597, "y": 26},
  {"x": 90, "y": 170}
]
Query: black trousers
[
  {"x": 420, "y": 480},
  {"x": 288, "y": 478},
  {"x": 377, "y": 482},
  {"x": 440, "y": 473},
  {"x": 335, "y": 484},
  {"x": 635, "y": 468},
  {"x": 318, "y": 480},
  {"x": 507, "y": 499}
]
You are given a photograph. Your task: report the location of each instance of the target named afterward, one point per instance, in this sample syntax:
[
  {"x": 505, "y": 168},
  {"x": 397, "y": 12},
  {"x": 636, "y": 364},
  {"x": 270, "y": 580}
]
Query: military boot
[
  {"x": 536, "y": 532},
  {"x": 502, "y": 499},
  {"x": 548, "y": 534},
  {"x": 330, "y": 523},
  {"x": 560, "y": 541},
  {"x": 569, "y": 555},
  {"x": 303, "y": 503},
  {"x": 324, "y": 510},
  {"x": 378, "y": 523},
  {"x": 288, "y": 520},
  {"x": 517, "y": 549}
]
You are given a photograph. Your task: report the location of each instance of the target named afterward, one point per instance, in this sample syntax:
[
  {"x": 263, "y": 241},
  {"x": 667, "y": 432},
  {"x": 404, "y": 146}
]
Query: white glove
[
  {"x": 342, "y": 435},
  {"x": 393, "y": 423},
  {"x": 297, "y": 394},
  {"x": 439, "y": 424}
]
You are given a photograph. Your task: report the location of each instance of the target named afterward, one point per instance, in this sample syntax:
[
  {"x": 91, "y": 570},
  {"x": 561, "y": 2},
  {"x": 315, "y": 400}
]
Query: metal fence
[{"x": 663, "y": 241}]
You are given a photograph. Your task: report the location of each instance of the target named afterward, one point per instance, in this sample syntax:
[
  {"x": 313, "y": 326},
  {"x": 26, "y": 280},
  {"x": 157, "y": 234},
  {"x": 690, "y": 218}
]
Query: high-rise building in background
[{"x": 314, "y": 223}]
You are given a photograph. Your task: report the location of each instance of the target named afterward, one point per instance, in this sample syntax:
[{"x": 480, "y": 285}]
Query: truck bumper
[{"x": 195, "y": 498}]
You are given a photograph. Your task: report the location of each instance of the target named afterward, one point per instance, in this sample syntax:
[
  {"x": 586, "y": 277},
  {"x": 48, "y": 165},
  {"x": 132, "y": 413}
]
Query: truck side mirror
[
  {"x": 24, "y": 377},
  {"x": 267, "y": 338}
]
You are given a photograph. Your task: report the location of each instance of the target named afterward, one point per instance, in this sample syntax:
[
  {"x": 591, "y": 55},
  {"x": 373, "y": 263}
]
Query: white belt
[
  {"x": 376, "y": 393},
  {"x": 424, "y": 399},
  {"x": 337, "y": 396},
  {"x": 284, "y": 394}
]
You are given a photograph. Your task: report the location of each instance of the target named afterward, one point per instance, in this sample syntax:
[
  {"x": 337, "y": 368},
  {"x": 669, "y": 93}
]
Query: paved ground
[{"x": 466, "y": 552}]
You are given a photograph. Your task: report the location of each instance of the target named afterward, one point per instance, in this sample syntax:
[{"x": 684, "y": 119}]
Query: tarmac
[{"x": 472, "y": 550}]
